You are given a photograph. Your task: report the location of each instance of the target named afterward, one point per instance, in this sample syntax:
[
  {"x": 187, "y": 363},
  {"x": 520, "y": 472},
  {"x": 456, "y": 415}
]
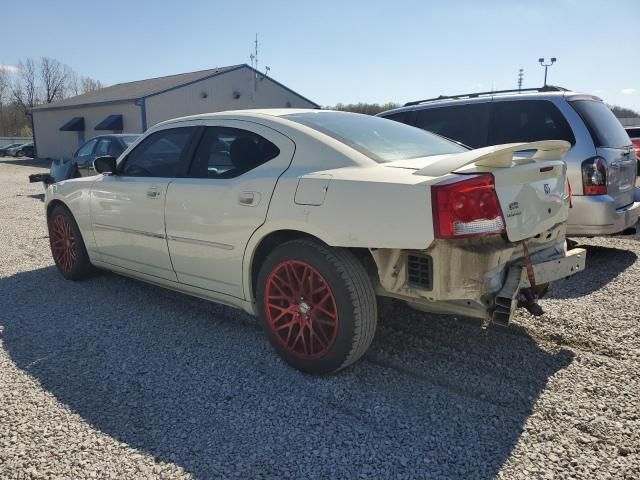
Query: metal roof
[{"x": 131, "y": 91}]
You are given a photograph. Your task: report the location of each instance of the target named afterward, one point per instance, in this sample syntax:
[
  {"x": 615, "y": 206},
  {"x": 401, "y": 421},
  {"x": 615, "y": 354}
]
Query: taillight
[
  {"x": 594, "y": 176},
  {"x": 466, "y": 208}
]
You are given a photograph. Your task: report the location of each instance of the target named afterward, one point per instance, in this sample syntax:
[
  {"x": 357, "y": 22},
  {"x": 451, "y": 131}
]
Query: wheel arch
[
  {"x": 266, "y": 243},
  {"x": 55, "y": 203}
]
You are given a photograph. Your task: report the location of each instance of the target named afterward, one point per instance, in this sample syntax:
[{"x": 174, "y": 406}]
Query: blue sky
[{"x": 343, "y": 51}]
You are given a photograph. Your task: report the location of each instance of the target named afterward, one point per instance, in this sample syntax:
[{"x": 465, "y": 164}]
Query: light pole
[{"x": 546, "y": 66}]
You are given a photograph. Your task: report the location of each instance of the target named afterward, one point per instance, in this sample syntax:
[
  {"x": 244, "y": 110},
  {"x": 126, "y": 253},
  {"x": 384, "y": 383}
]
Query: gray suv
[{"x": 601, "y": 164}]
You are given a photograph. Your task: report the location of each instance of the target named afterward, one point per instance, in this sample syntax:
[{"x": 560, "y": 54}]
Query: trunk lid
[
  {"x": 530, "y": 181},
  {"x": 532, "y": 196}
]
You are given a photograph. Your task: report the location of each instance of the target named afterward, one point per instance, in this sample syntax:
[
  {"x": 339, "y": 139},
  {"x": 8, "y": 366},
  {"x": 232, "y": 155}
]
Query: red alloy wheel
[
  {"x": 301, "y": 309},
  {"x": 63, "y": 244}
]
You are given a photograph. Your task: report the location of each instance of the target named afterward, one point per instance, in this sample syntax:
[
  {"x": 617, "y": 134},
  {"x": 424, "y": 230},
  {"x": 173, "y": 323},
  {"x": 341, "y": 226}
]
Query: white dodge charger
[{"x": 302, "y": 217}]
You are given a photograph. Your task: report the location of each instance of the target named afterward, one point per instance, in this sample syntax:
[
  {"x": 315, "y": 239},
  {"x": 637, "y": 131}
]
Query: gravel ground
[{"x": 112, "y": 378}]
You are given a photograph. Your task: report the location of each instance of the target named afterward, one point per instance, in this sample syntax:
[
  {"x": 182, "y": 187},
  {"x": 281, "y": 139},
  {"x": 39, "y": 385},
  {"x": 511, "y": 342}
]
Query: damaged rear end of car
[{"x": 499, "y": 222}]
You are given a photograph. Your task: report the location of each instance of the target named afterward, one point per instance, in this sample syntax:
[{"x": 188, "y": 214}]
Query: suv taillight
[
  {"x": 594, "y": 176},
  {"x": 466, "y": 208}
]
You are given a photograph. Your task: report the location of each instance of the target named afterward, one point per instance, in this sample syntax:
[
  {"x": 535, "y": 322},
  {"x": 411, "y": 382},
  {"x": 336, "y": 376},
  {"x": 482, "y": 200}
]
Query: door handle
[
  {"x": 153, "y": 193},
  {"x": 249, "y": 199}
]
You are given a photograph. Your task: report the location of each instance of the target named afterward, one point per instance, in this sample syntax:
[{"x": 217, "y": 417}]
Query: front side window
[
  {"x": 380, "y": 139},
  {"x": 229, "y": 152},
  {"x": 87, "y": 148},
  {"x": 527, "y": 121},
  {"x": 158, "y": 155},
  {"x": 467, "y": 124}
]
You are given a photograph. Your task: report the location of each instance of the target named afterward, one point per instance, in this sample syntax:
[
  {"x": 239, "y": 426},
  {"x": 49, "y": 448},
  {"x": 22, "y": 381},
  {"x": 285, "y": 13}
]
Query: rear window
[
  {"x": 379, "y": 139},
  {"x": 606, "y": 130},
  {"x": 527, "y": 121},
  {"x": 129, "y": 139}
]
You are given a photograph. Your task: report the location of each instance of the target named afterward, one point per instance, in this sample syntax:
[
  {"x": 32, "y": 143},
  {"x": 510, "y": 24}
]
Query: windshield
[
  {"x": 380, "y": 139},
  {"x": 605, "y": 128},
  {"x": 129, "y": 139}
]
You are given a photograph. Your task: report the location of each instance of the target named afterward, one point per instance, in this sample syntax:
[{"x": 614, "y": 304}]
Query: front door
[
  {"x": 127, "y": 209},
  {"x": 211, "y": 215}
]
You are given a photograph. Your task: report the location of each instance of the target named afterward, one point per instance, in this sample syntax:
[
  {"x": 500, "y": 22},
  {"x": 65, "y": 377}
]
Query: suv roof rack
[{"x": 546, "y": 88}]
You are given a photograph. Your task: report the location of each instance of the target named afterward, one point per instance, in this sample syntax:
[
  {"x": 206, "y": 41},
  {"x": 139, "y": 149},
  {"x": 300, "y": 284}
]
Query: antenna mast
[
  {"x": 254, "y": 64},
  {"x": 256, "y": 51},
  {"x": 520, "y": 77}
]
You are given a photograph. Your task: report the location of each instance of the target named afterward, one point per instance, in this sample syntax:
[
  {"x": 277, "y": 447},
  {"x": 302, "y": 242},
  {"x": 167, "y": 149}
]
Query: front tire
[
  {"x": 67, "y": 247},
  {"x": 317, "y": 306}
]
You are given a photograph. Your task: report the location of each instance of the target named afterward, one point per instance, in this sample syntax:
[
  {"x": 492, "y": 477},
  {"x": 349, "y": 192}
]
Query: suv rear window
[
  {"x": 527, "y": 121},
  {"x": 606, "y": 130}
]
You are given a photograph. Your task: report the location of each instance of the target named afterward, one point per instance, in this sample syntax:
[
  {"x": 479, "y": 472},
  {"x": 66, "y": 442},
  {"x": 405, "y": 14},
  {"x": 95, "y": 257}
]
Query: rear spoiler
[{"x": 498, "y": 156}]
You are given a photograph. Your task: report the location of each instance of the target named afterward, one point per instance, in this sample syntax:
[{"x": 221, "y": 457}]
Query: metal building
[{"x": 60, "y": 127}]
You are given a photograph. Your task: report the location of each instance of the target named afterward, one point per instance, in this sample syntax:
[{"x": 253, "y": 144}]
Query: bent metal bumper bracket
[{"x": 506, "y": 299}]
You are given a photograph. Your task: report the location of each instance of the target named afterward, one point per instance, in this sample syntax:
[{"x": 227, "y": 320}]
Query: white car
[{"x": 302, "y": 217}]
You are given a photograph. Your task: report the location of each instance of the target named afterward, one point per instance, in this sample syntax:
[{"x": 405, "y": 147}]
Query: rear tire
[
  {"x": 67, "y": 247},
  {"x": 317, "y": 306}
]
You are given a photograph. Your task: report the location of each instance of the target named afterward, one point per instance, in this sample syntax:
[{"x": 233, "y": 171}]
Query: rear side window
[
  {"x": 528, "y": 121},
  {"x": 633, "y": 132},
  {"x": 158, "y": 155},
  {"x": 115, "y": 149},
  {"x": 402, "y": 117},
  {"x": 466, "y": 124},
  {"x": 103, "y": 146},
  {"x": 227, "y": 152},
  {"x": 606, "y": 130}
]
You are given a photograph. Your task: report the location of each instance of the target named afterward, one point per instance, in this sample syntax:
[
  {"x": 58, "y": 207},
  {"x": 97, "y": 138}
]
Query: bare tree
[
  {"x": 53, "y": 77},
  {"x": 25, "y": 88},
  {"x": 91, "y": 85},
  {"x": 4, "y": 85},
  {"x": 4, "y": 90},
  {"x": 72, "y": 87}
]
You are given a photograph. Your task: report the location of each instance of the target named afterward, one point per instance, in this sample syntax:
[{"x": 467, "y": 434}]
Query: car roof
[
  {"x": 257, "y": 113},
  {"x": 490, "y": 96}
]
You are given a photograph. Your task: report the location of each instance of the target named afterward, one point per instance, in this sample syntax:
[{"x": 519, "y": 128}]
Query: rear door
[
  {"x": 613, "y": 144},
  {"x": 212, "y": 213}
]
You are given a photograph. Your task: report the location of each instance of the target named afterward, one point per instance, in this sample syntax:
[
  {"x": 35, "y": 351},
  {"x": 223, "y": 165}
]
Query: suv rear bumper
[{"x": 597, "y": 215}]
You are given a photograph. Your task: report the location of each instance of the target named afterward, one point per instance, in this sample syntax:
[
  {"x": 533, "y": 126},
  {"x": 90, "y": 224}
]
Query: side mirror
[{"x": 105, "y": 164}]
